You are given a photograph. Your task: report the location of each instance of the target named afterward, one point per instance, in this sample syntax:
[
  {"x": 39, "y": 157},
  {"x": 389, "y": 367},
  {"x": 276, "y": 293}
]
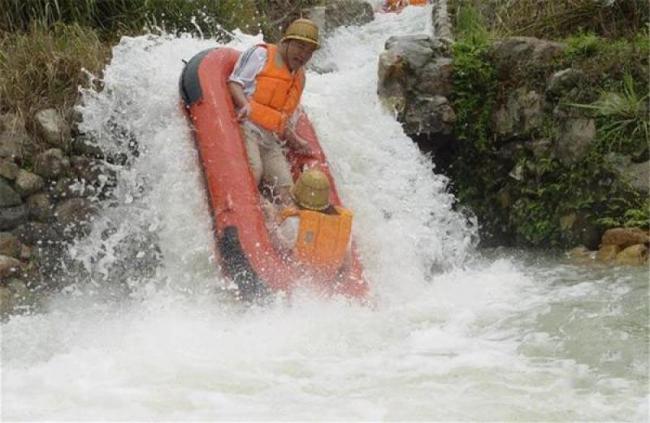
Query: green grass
[
  {"x": 110, "y": 17},
  {"x": 42, "y": 67},
  {"x": 556, "y": 19}
]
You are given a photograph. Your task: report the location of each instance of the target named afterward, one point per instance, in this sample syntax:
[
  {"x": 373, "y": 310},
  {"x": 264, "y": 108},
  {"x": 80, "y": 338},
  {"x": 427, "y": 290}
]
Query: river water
[{"x": 145, "y": 330}]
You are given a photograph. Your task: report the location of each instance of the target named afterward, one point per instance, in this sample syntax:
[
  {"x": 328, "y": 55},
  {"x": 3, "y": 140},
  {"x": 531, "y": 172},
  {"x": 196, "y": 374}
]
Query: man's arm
[
  {"x": 240, "y": 100},
  {"x": 242, "y": 78}
]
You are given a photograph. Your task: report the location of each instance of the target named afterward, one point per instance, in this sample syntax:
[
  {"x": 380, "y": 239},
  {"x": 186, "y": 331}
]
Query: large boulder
[
  {"x": 516, "y": 52},
  {"x": 415, "y": 79}
]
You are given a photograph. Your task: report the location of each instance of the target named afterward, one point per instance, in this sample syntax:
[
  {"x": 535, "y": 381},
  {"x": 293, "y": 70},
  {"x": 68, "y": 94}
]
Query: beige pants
[{"x": 266, "y": 157}]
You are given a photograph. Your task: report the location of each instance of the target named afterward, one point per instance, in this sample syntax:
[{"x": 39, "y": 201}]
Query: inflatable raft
[{"x": 246, "y": 252}]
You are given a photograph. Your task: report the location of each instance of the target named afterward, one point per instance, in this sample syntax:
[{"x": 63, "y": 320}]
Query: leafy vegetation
[
  {"x": 521, "y": 196},
  {"x": 555, "y": 19},
  {"x": 624, "y": 118}
]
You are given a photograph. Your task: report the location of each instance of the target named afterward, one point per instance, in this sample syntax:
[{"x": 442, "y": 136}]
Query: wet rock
[
  {"x": 36, "y": 233},
  {"x": 40, "y": 207},
  {"x": 28, "y": 183},
  {"x": 87, "y": 146},
  {"x": 436, "y": 77},
  {"x": 53, "y": 128},
  {"x": 8, "y": 266},
  {"x": 441, "y": 21},
  {"x": 429, "y": 115},
  {"x": 85, "y": 168},
  {"x": 9, "y": 245},
  {"x": 519, "y": 115},
  {"x": 8, "y": 169},
  {"x": 416, "y": 50},
  {"x": 638, "y": 175},
  {"x": 74, "y": 216},
  {"x": 625, "y": 237},
  {"x": 8, "y": 196},
  {"x": 65, "y": 188},
  {"x": 578, "y": 227},
  {"x": 393, "y": 83},
  {"x": 51, "y": 164},
  {"x": 634, "y": 255},
  {"x": 607, "y": 253},
  {"x": 11, "y": 217},
  {"x": 576, "y": 135}
]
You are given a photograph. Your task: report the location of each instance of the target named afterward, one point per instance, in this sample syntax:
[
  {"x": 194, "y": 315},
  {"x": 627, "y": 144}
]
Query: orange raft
[
  {"x": 246, "y": 252},
  {"x": 398, "y": 5}
]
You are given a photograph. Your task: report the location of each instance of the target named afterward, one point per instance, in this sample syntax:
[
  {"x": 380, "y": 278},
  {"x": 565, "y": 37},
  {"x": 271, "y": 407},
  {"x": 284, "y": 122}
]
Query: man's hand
[
  {"x": 298, "y": 143},
  {"x": 243, "y": 112}
]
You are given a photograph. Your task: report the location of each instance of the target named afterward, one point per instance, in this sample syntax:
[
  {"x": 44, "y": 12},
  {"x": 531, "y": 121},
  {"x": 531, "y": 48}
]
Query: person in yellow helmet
[
  {"x": 316, "y": 232},
  {"x": 266, "y": 85}
]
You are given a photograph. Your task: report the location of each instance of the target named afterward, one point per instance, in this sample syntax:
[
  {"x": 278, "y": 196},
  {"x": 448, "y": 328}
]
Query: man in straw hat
[{"x": 266, "y": 85}]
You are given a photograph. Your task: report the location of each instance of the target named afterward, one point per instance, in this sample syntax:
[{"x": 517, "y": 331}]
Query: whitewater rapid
[{"x": 144, "y": 331}]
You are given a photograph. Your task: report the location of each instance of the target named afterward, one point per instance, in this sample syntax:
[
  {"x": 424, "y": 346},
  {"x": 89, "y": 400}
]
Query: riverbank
[{"x": 537, "y": 112}]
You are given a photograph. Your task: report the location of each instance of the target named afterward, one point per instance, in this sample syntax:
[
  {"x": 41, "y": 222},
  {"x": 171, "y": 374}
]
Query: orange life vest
[
  {"x": 323, "y": 239},
  {"x": 277, "y": 93}
]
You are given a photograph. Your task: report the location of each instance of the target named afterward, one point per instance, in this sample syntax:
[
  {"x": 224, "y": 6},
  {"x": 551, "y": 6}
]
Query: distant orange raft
[
  {"x": 246, "y": 252},
  {"x": 398, "y": 5}
]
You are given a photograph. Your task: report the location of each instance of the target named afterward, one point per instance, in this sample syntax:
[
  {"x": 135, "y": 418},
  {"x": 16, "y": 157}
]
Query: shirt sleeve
[{"x": 250, "y": 63}]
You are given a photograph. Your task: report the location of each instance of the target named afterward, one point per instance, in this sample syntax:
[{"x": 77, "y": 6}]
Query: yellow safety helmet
[
  {"x": 312, "y": 190},
  {"x": 304, "y": 30}
]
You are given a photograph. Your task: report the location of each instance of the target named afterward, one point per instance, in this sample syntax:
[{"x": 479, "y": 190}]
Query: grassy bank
[
  {"x": 609, "y": 43},
  {"x": 45, "y": 45}
]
